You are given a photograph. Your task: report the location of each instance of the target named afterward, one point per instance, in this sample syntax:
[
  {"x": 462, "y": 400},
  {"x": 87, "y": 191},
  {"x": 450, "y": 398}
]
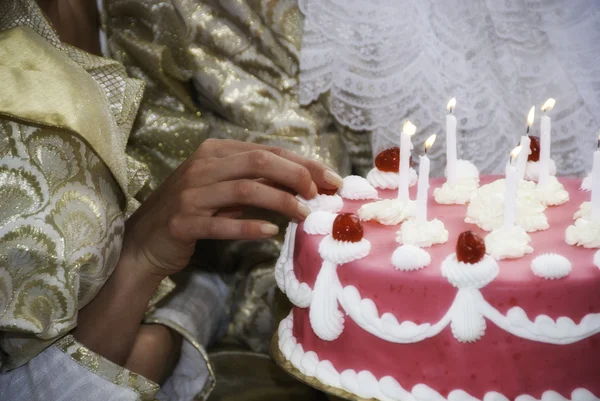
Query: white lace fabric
[{"x": 387, "y": 60}]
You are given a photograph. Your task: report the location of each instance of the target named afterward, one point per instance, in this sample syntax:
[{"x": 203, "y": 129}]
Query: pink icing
[{"x": 499, "y": 361}]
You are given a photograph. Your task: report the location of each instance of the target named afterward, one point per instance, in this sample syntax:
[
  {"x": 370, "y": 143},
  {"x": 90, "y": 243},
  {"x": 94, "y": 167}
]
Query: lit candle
[
  {"x": 545, "y": 141},
  {"x": 596, "y": 184},
  {"x": 423, "y": 186},
  {"x": 510, "y": 190},
  {"x": 408, "y": 130},
  {"x": 523, "y": 156},
  {"x": 451, "y": 143}
]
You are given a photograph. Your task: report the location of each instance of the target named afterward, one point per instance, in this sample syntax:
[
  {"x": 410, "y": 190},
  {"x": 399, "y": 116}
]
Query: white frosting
[
  {"x": 389, "y": 180},
  {"x": 364, "y": 313},
  {"x": 551, "y": 266},
  {"x": 286, "y": 256},
  {"x": 457, "y": 194},
  {"x": 299, "y": 293},
  {"x": 325, "y": 318},
  {"x": 486, "y": 207},
  {"x": 410, "y": 258},
  {"x": 356, "y": 187},
  {"x": 586, "y": 184},
  {"x": 467, "y": 322},
  {"x": 585, "y": 210},
  {"x": 422, "y": 234},
  {"x": 328, "y": 203},
  {"x": 466, "y": 169},
  {"x": 364, "y": 384},
  {"x": 465, "y": 275},
  {"x": 532, "y": 172},
  {"x": 319, "y": 223},
  {"x": 584, "y": 233},
  {"x": 388, "y": 211},
  {"x": 505, "y": 243},
  {"x": 552, "y": 193},
  {"x": 341, "y": 252}
]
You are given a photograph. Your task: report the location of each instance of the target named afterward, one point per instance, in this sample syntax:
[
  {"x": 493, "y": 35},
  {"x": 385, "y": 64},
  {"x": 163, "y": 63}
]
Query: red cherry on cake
[
  {"x": 470, "y": 247},
  {"x": 323, "y": 191},
  {"x": 347, "y": 227},
  {"x": 389, "y": 160},
  {"x": 534, "y": 146}
]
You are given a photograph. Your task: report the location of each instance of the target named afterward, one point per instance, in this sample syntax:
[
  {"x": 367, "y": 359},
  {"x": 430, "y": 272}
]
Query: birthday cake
[{"x": 395, "y": 303}]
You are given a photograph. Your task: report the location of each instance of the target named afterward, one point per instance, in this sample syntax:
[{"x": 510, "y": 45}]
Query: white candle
[
  {"x": 545, "y": 141},
  {"x": 523, "y": 156},
  {"x": 596, "y": 185},
  {"x": 510, "y": 192},
  {"x": 408, "y": 130},
  {"x": 451, "y": 143},
  {"x": 423, "y": 184}
]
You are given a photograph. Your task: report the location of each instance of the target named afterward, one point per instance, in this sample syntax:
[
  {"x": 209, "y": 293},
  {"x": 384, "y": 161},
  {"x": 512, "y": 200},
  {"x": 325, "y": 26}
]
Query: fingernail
[
  {"x": 303, "y": 210},
  {"x": 313, "y": 189},
  {"x": 269, "y": 229},
  {"x": 332, "y": 178}
]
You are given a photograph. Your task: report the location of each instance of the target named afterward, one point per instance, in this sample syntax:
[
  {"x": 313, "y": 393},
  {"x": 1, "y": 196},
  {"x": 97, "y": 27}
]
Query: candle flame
[
  {"x": 429, "y": 142},
  {"x": 409, "y": 128},
  {"x": 531, "y": 116},
  {"x": 451, "y": 104},
  {"x": 548, "y": 105},
  {"x": 515, "y": 153}
]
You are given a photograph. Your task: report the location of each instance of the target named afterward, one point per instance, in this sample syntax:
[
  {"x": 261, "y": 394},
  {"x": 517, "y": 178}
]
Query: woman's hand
[{"x": 221, "y": 175}]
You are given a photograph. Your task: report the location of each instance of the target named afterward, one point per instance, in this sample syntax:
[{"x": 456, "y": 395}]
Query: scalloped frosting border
[{"x": 365, "y": 384}]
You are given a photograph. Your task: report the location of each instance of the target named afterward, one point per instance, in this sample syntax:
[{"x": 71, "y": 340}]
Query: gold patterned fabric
[
  {"x": 65, "y": 180},
  {"x": 225, "y": 69}
]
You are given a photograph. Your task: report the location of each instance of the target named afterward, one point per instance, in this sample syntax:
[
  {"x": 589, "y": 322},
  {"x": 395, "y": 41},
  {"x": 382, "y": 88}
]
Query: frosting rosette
[
  {"x": 410, "y": 258},
  {"x": 586, "y": 183},
  {"x": 506, "y": 243},
  {"x": 465, "y": 170},
  {"x": 457, "y": 194},
  {"x": 341, "y": 252},
  {"x": 584, "y": 233},
  {"x": 328, "y": 203},
  {"x": 357, "y": 188},
  {"x": 551, "y": 266},
  {"x": 388, "y": 212},
  {"x": 319, "y": 223},
  {"x": 532, "y": 171},
  {"x": 552, "y": 193},
  {"x": 389, "y": 179},
  {"x": 486, "y": 207},
  {"x": 422, "y": 234},
  {"x": 466, "y": 275},
  {"x": 584, "y": 211}
]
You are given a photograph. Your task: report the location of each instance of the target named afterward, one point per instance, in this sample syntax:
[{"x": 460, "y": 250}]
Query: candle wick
[
  {"x": 528, "y": 129},
  {"x": 598, "y": 143}
]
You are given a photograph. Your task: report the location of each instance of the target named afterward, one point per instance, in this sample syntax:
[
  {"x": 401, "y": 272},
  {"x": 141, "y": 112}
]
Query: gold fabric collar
[{"x": 43, "y": 86}]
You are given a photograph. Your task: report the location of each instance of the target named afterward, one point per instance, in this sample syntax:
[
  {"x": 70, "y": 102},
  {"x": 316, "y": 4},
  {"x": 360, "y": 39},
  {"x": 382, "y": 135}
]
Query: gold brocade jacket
[
  {"x": 225, "y": 69},
  {"x": 67, "y": 186}
]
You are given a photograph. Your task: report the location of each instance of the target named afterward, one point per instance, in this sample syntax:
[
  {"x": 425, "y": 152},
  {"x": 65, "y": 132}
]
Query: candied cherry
[
  {"x": 323, "y": 191},
  {"x": 470, "y": 247},
  {"x": 534, "y": 146},
  {"x": 389, "y": 160},
  {"x": 347, "y": 227}
]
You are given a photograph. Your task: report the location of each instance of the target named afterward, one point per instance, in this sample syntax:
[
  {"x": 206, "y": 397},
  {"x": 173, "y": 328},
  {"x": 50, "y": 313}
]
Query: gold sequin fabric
[{"x": 226, "y": 69}]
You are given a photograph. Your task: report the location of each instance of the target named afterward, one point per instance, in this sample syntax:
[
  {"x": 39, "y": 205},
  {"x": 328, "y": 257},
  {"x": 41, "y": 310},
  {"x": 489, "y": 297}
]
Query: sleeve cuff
[{"x": 196, "y": 310}]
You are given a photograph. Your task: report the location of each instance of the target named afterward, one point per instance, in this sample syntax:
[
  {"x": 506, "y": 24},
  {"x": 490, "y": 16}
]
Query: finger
[
  {"x": 242, "y": 193},
  {"x": 221, "y": 228},
  {"x": 230, "y": 212},
  {"x": 272, "y": 184},
  {"x": 253, "y": 165},
  {"x": 322, "y": 175}
]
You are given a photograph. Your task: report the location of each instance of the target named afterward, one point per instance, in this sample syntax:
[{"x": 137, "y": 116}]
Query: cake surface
[{"x": 539, "y": 337}]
